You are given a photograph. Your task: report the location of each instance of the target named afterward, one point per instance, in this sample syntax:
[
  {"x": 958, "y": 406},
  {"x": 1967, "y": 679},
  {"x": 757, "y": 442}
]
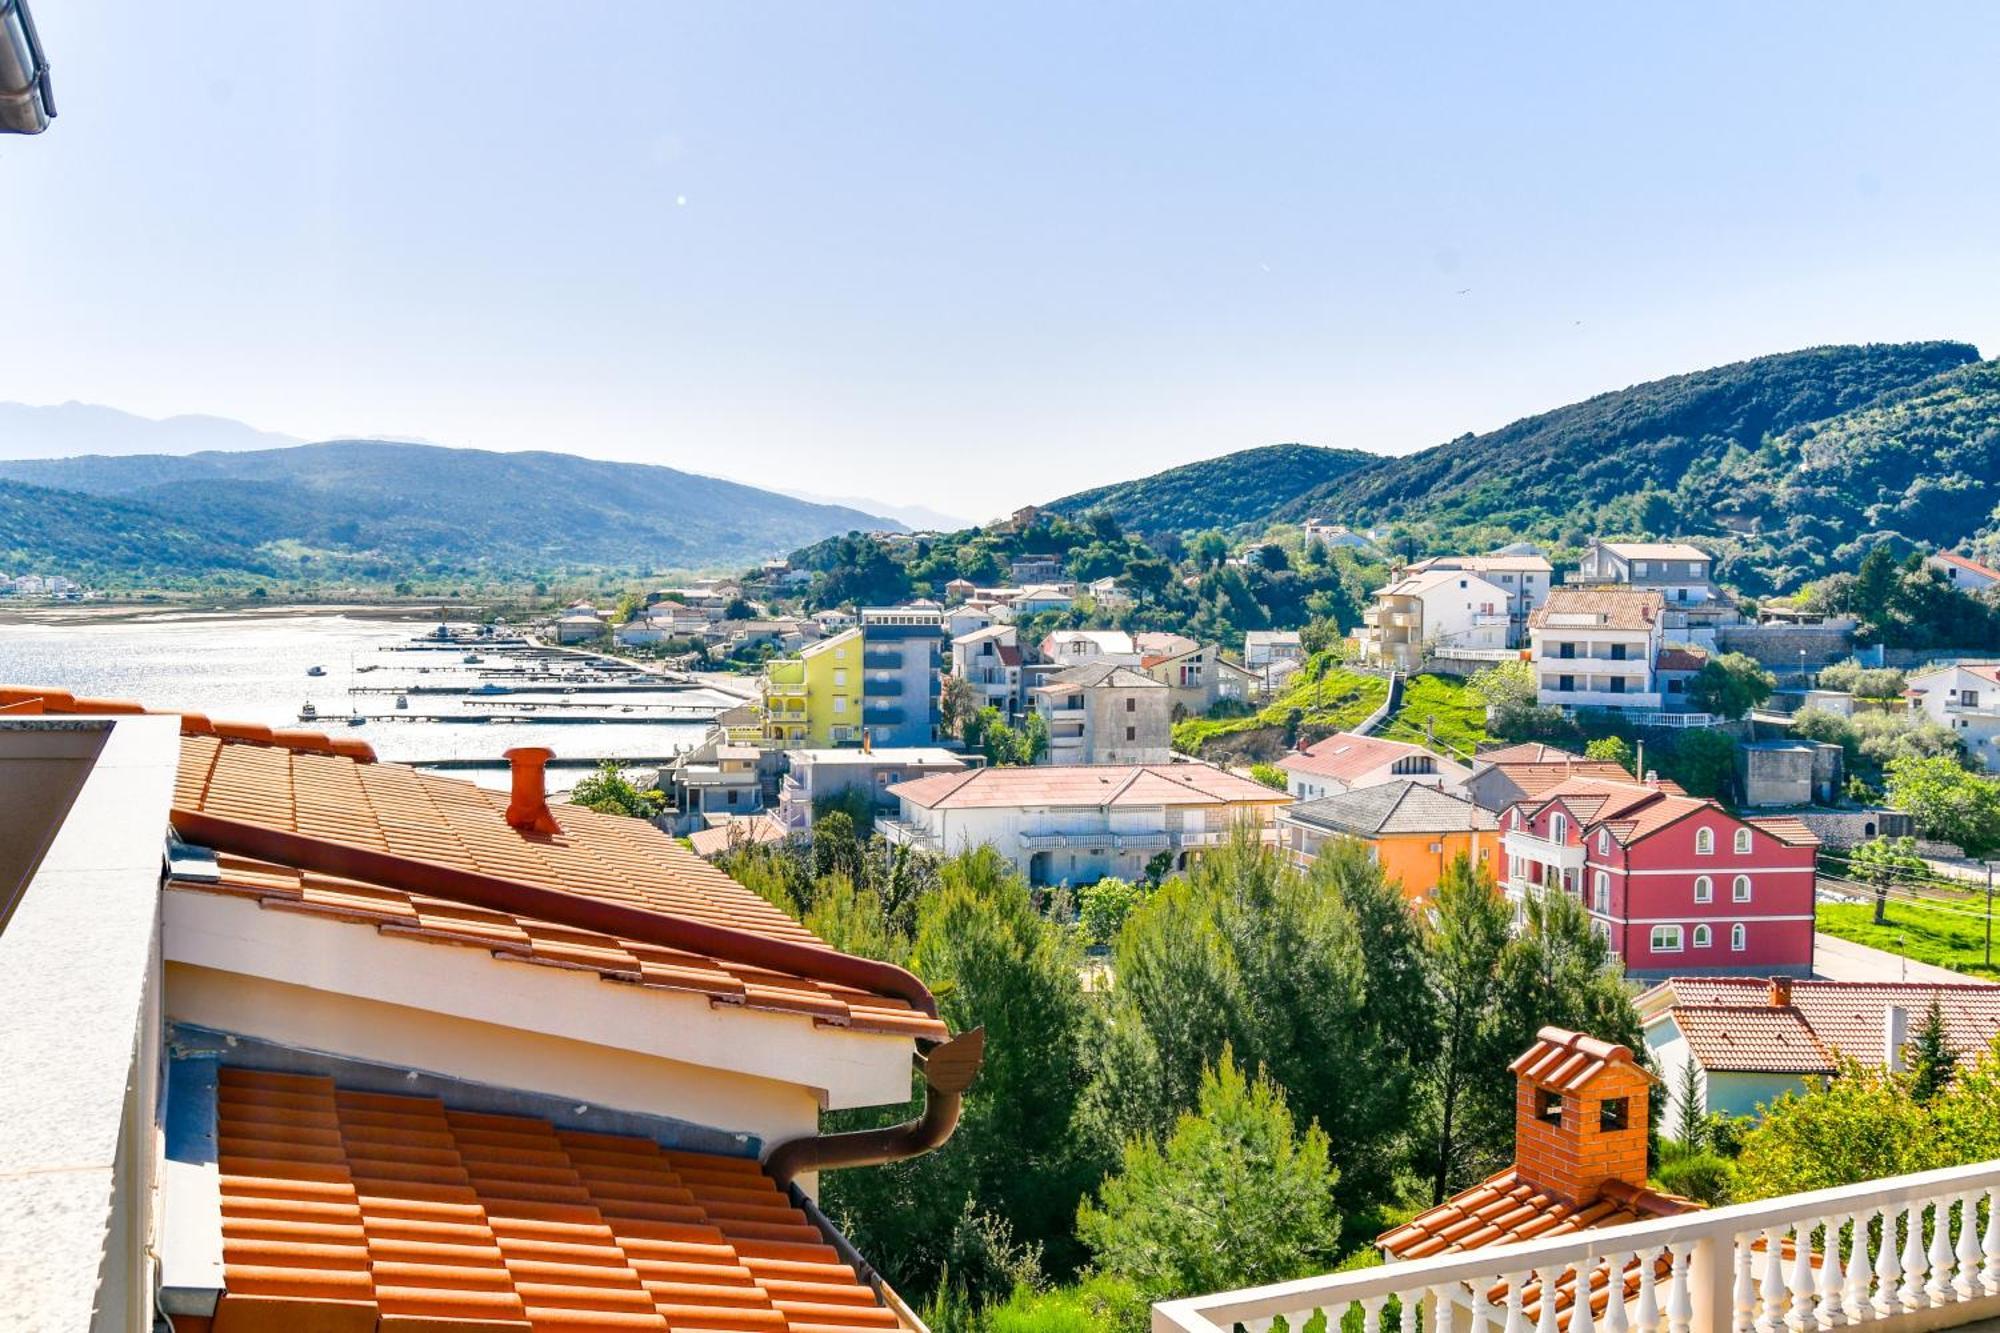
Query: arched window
[
  {"x": 1704, "y": 842},
  {"x": 1558, "y": 828},
  {"x": 1738, "y": 937},
  {"x": 1702, "y": 937},
  {"x": 1704, "y": 889},
  {"x": 1742, "y": 842},
  {"x": 1740, "y": 890},
  {"x": 1600, "y": 894},
  {"x": 1604, "y": 842}
]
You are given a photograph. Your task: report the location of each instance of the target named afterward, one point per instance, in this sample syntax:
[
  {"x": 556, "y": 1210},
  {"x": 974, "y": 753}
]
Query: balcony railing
[
  {"x": 1910, "y": 1252},
  {"x": 1564, "y": 856}
]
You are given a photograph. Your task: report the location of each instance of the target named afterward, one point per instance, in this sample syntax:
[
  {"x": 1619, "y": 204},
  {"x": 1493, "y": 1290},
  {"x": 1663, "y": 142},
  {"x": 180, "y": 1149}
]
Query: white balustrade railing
[{"x": 1921, "y": 1251}]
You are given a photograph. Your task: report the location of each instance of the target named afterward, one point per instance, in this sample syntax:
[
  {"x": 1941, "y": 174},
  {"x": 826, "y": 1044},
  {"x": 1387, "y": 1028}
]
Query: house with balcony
[
  {"x": 717, "y": 780},
  {"x": 1421, "y": 613},
  {"x": 1963, "y": 572},
  {"x": 299, "y": 1040},
  {"x": 816, "y": 697},
  {"x": 1346, "y": 762},
  {"x": 1507, "y": 775},
  {"x": 990, "y": 661},
  {"x": 1198, "y": 677},
  {"x": 1965, "y": 698},
  {"x": 1753, "y": 1039},
  {"x": 1411, "y": 829},
  {"x": 1104, "y": 713},
  {"x": 1524, "y": 578},
  {"x": 812, "y": 776},
  {"x": 1027, "y": 569},
  {"x": 900, "y": 651},
  {"x": 1675, "y": 884},
  {"x": 1073, "y": 647},
  {"x": 1034, "y": 599},
  {"x": 1262, "y": 647},
  {"x": 1683, "y": 575},
  {"x": 1596, "y": 647},
  {"x": 1080, "y": 823}
]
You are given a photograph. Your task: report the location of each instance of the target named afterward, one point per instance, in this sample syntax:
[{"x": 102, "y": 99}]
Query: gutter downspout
[
  {"x": 948, "y": 1067},
  {"x": 814, "y": 962}
]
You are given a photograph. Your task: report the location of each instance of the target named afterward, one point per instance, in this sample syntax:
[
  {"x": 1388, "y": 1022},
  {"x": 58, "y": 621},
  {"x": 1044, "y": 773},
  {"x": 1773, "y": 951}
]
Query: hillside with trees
[
  {"x": 373, "y": 509},
  {"x": 1218, "y": 492},
  {"x": 1786, "y": 465}
]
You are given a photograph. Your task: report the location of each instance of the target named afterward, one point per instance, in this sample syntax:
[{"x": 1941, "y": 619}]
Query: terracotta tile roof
[
  {"x": 301, "y": 782},
  {"x": 715, "y": 841},
  {"x": 341, "y": 1208},
  {"x": 1344, "y": 756},
  {"x": 1505, "y": 1208},
  {"x": 1769, "y": 1040},
  {"x": 1535, "y": 780},
  {"x": 1527, "y": 752},
  {"x": 1785, "y": 828},
  {"x": 1086, "y": 785},
  {"x": 1963, "y": 562},
  {"x": 1631, "y": 810},
  {"x": 1567, "y": 1061},
  {"x": 1403, "y": 806},
  {"x": 1610, "y": 606},
  {"x": 1656, "y": 550},
  {"x": 1091, "y": 675},
  {"x": 1844, "y": 1016},
  {"x": 1680, "y": 659}
]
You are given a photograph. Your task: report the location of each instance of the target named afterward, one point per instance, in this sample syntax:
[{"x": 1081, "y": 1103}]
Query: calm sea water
[{"x": 253, "y": 669}]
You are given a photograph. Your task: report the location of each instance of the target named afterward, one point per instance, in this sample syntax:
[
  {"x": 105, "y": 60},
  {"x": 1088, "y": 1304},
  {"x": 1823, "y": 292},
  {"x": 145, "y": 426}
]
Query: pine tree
[{"x": 1932, "y": 1061}]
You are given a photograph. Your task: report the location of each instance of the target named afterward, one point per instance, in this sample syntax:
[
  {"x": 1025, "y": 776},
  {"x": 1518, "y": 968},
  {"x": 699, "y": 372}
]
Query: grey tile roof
[{"x": 1402, "y": 806}]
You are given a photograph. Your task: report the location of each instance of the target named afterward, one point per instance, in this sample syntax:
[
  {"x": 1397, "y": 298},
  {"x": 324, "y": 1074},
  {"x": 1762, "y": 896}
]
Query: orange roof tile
[
  {"x": 1843, "y": 1016},
  {"x": 1344, "y": 756},
  {"x": 1093, "y": 785},
  {"x": 1567, "y": 1061},
  {"x": 1768, "y": 1040},
  {"x": 342, "y": 1207},
  {"x": 1613, "y": 607},
  {"x": 293, "y": 783},
  {"x": 1785, "y": 828}
]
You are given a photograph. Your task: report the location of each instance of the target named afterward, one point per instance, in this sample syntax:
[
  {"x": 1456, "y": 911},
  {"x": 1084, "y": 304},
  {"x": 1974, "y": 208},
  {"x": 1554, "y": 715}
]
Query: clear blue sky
[{"x": 976, "y": 255}]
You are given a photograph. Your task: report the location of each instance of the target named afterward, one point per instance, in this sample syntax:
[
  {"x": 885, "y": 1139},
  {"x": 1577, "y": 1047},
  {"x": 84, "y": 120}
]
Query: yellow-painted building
[
  {"x": 814, "y": 699},
  {"x": 1412, "y": 831}
]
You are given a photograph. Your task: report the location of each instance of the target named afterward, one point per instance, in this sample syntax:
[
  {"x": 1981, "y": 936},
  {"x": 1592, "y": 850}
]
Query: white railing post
[
  {"x": 1967, "y": 1282},
  {"x": 1885, "y": 1265},
  {"x": 1680, "y": 1301},
  {"x": 1712, "y": 1276},
  {"x": 1991, "y": 1244},
  {"x": 1914, "y": 1261}
]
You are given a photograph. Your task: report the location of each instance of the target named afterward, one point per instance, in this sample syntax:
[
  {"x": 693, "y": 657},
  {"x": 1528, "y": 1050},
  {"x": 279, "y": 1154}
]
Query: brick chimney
[
  {"x": 1579, "y": 1116},
  {"x": 1781, "y": 992},
  {"x": 528, "y": 805}
]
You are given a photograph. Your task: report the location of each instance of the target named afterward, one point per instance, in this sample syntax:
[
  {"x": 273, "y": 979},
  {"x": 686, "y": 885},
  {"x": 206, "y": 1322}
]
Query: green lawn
[
  {"x": 1337, "y": 701},
  {"x": 1953, "y": 937},
  {"x": 1457, "y": 716}
]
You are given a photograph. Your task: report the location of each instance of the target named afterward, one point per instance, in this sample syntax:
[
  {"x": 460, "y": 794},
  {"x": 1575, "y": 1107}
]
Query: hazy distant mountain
[
  {"x": 372, "y": 509},
  {"x": 68, "y": 429},
  {"x": 920, "y": 518}
]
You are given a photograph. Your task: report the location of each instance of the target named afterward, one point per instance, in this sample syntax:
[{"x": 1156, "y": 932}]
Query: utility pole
[{"x": 1990, "y": 865}]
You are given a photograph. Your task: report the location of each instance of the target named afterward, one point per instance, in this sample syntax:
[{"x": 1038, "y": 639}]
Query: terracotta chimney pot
[{"x": 528, "y": 807}]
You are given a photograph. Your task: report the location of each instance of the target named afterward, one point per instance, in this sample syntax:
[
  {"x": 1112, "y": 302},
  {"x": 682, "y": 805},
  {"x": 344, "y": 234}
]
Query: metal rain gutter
[{"x": 26, "y": 104}]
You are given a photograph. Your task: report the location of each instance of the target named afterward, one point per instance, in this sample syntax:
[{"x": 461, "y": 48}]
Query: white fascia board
[{"x": 228, "y": 934}]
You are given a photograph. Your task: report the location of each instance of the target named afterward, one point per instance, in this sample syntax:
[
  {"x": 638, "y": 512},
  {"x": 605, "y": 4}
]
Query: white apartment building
[
  {"x": 989, "y": 660},
  {"x": 1525, "y": 578},
  {"x": 1596, "y": 647},
  {"x": 1073, "y": 647},
  {"x": 1965, "y": 698},
  {"x": 1438, "y": 608},
  {"x": 1962, "y": 573},
  {"x": 1079, "y": 824}
]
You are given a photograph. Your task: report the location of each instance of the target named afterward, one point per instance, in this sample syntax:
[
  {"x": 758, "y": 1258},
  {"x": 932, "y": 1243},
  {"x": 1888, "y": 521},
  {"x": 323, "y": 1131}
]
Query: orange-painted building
[{"x": 1412, "y": 830}]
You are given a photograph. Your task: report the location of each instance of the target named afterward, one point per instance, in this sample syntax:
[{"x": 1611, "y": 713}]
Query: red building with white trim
[{"x": 1677, "y": 884}]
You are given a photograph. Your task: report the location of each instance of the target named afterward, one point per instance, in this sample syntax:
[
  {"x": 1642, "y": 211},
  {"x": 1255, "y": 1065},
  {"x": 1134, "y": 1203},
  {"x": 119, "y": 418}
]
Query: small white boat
[
  {"x": 473, "y": 659},
  {"x": 308, "y": 713},
  {"x": 315, "y": 671}
]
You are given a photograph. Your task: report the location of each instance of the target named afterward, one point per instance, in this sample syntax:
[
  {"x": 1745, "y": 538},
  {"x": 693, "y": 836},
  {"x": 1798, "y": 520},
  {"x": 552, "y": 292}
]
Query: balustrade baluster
[
  {"x": 1991, "y": 1244},
  {"x": 1885, "y": 1265},
  {"x": 1616, "y": 1317},
  {"x": 1938, "y": 1290},
  {"x": 1967, "y": 1283},
  {"x": 1830, "y": 1313},
  {"x": 1914, "y": 1260},
  {"x": 1772, "y": 1317},
  {"x": 1801, "y": 1278},
  {"x": 1371, "y": 1313},
  {"x": 1548, "y": 1278},
  {"x": 1855, "y": 1291},
  {"x": 1746, "y": 1285},
  {"x": 1680, "y": 1300},
  {"x": 1648, "y": 1318},
  {"x": 1516, "y": 1321},
  {"x": 1444, "y": 1317},
  {"x": 1581, "y": 1320}
]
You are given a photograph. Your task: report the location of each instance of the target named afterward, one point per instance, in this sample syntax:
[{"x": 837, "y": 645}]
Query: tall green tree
[
  {"x": 1883, "y": 863},
  {"x": 1235, "y": 1195},
  {"x": 1932, "y": 1060},
  {"x": 1022, "y": 1152},
  {"x": 1947, "y": 802},
  {"x": 1730, "y": 684},
  {"x": 1466, "y": 935}
]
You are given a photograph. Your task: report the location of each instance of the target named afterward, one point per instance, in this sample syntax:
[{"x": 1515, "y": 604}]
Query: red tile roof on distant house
[
  {"x": 1633, "y": 810},
  {"x": 1968, "y": 564},
  {"x": 1733, "y": 1024},
  {"x": 1088, "y": 785},
  {"x": 302, "y": 783},
  {"x": 1527, "y": 752},
  {"x": 739, "y": 832},
  {"x": 347, "y": 1209},
  {"x": 1681, "y": 659},
  {"x": 1612, "y": 607},
  {"x": 1344, "y": 756}
]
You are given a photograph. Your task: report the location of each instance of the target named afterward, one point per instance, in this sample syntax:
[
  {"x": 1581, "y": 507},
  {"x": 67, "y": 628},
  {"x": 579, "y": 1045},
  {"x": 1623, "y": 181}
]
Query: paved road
[{"x": 1843, "y": 960}]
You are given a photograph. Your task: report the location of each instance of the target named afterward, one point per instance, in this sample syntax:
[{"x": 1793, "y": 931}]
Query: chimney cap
[
  {"x": 1781, "y": 992},
  {"x": 528, "y": 802}
]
